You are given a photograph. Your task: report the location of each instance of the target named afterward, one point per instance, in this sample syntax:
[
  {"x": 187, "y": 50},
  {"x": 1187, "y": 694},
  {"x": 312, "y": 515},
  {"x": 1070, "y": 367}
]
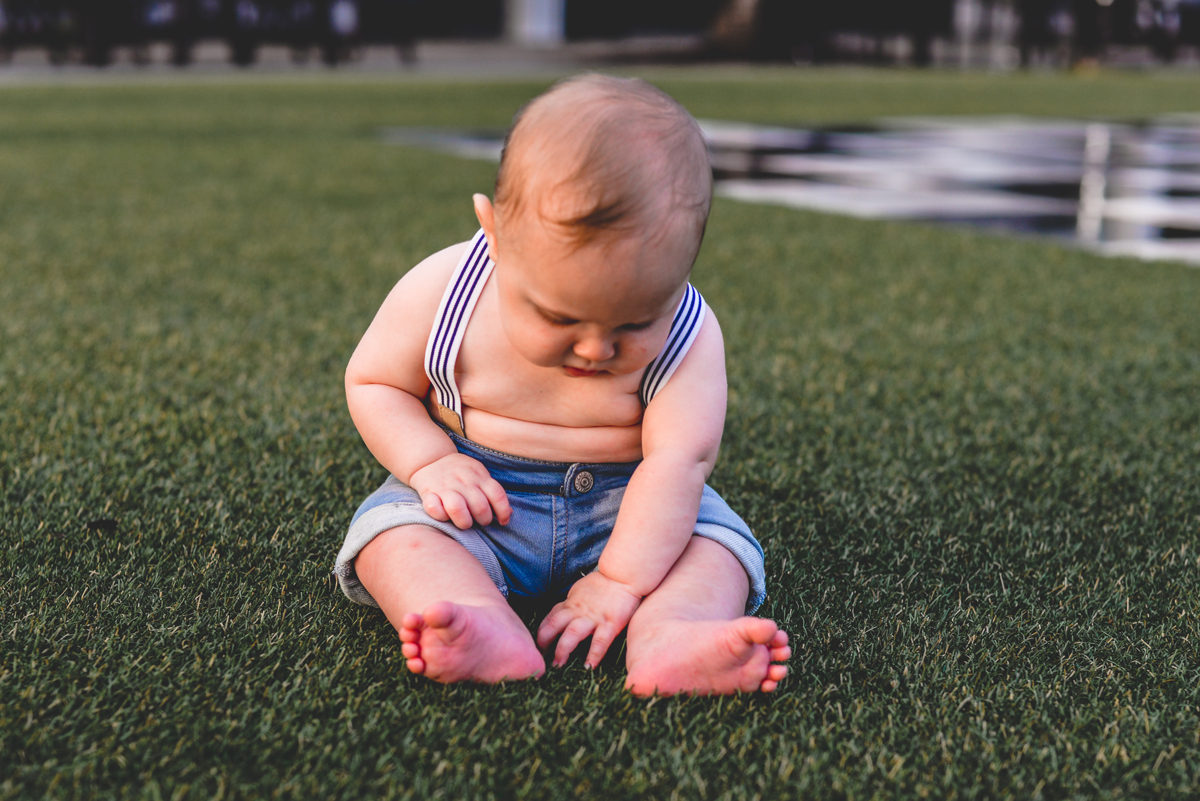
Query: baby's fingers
[
  {"x": 601, "y": 640},
  {"x": 457, "y": 510},
  {"x": 553, "y": 625},
  {"x": 498, "y": 498},
  {"x": 478, "y": 505},
  {"x": 433, "y": 507},
  {"x": 579, "y": 630}
]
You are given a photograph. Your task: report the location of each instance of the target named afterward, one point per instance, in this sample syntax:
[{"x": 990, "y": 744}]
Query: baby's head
[
  {"x": 601, "y": 201},
  {"x": 600, "y": 156}
]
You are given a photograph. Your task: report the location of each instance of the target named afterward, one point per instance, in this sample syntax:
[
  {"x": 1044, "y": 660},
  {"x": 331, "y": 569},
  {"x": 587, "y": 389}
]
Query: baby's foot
[
  {"x": 708, "y": 657},
  {"x": 451, "y": 642}
]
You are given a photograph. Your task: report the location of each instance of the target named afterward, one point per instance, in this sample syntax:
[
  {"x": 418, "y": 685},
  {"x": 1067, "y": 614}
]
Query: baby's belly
[{"x": 553, "y": 443}]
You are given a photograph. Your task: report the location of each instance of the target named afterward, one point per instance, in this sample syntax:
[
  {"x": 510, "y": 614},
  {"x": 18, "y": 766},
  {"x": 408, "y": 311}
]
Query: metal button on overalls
[{"x": 584, "y": 481}]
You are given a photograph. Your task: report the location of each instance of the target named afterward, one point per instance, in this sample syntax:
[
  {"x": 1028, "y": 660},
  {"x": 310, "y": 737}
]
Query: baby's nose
[{"x": 595, "y": 349}]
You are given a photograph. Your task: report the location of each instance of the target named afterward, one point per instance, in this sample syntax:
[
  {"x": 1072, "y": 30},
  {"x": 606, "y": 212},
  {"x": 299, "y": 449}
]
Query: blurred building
[
  {"x": 995, "y": 33},
  {"x": 992, "y": 32}
]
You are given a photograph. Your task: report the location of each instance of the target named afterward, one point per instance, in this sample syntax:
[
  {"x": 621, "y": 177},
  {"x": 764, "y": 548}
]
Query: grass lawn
[{"x": 974, "y": 464}]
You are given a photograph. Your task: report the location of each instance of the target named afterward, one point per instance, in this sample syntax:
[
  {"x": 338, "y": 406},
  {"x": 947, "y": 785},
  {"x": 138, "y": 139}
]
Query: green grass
[{"x": 974, "y": 464}]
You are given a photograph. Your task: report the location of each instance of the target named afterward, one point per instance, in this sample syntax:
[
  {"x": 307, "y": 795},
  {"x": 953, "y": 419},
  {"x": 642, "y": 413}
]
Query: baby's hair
[{"x": 612, "y": 153}]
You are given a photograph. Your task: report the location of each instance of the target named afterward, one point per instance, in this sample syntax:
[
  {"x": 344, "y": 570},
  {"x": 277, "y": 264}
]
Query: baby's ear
[{"x": 486, "y": 214}]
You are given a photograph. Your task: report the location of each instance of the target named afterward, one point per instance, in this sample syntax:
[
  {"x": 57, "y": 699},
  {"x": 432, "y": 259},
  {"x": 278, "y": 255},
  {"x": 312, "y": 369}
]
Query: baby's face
[{"x": 605, "y": 307}]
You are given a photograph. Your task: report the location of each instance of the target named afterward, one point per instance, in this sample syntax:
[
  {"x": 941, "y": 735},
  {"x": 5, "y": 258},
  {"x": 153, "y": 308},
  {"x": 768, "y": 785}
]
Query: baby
[{"x": 549, "y": 400}]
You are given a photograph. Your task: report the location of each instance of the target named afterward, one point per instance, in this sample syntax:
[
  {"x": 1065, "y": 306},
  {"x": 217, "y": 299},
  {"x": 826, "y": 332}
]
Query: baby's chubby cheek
[
  {"x": 633, "y": 357},
  {"x": 541, "y": 351}
]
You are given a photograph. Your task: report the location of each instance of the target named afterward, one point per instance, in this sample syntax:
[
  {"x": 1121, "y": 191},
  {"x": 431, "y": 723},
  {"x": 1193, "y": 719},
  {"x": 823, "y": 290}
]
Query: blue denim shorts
[{"x": 562, "y": 516}]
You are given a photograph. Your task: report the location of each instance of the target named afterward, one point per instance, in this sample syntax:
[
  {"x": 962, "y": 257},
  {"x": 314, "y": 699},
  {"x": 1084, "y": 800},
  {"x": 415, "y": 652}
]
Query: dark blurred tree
[
  {"x": 610, "y": 19},
  {"x": 803, "y": 30},
  {"x": 1091, "y": 22}
]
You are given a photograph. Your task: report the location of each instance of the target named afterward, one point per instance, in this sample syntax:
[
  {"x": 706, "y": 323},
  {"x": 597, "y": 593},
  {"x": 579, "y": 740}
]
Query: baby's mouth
[{"x": 575, "y": 372}]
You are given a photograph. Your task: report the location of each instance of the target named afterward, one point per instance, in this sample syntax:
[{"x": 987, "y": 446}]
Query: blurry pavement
[{"x": 1116, "y": 189}]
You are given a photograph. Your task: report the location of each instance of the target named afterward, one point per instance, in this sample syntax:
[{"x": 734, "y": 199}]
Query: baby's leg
[
  {"x": 454, "y": 623},
  {"x": 689, "y": 635}
]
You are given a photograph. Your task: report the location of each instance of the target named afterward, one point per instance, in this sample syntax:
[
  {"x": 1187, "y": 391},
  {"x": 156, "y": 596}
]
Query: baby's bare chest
[{"x": 494, "y": 378}]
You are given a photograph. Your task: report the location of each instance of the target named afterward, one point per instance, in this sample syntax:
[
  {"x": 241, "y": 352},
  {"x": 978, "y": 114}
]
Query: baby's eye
[
  {"x": 562, "y": 322},
  {"x": 637, "y": 326}
]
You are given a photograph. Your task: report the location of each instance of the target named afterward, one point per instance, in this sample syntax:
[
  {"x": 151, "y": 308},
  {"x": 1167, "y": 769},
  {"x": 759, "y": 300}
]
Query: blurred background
[{"x": 990, "y": 34}]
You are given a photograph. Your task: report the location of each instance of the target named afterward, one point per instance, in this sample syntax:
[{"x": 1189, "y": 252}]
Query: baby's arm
[
  {"x": 385, "y": 384},
  {"x": 681, "y": 435}
]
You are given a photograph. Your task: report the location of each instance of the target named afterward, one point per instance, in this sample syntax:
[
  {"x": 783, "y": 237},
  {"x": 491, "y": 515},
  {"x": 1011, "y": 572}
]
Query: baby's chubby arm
[
  {"x": 681, "y": 436},
  {"x": 385, "y": 384}
]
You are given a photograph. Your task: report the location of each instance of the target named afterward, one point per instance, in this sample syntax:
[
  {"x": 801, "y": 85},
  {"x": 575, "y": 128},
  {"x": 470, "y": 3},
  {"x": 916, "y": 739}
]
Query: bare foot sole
[
  {"x": 451, "y": 642},
  {"x": 708, "y": 657}
]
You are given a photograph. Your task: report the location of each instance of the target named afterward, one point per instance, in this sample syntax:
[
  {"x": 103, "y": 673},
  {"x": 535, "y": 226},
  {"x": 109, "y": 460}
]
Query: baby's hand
[
  {"x": 595, "y": 606},
  {"x": 460, "y": 489}
]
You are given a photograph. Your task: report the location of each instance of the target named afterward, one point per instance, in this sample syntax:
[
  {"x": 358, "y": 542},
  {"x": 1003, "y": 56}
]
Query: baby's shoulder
[
  {"x": 428, "y": 279},
  {"x": 414, "y": 299},
  {"x": 406, "y": 317}
]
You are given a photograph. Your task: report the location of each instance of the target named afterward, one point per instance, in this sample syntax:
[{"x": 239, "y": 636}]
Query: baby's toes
[
  {"x": 782, "y": 654},
  {"x": 410, "y": 627},
  {"x": 759, "y": 630},
  {"x": 775, "y": 674},
  {"x": 412, "y": 656}
]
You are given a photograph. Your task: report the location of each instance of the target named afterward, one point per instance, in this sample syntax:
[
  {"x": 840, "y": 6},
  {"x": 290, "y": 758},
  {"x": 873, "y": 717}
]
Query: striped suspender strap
[
  {"x": 684, "y": 328},
  {"x": 450, "y": 325}
]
